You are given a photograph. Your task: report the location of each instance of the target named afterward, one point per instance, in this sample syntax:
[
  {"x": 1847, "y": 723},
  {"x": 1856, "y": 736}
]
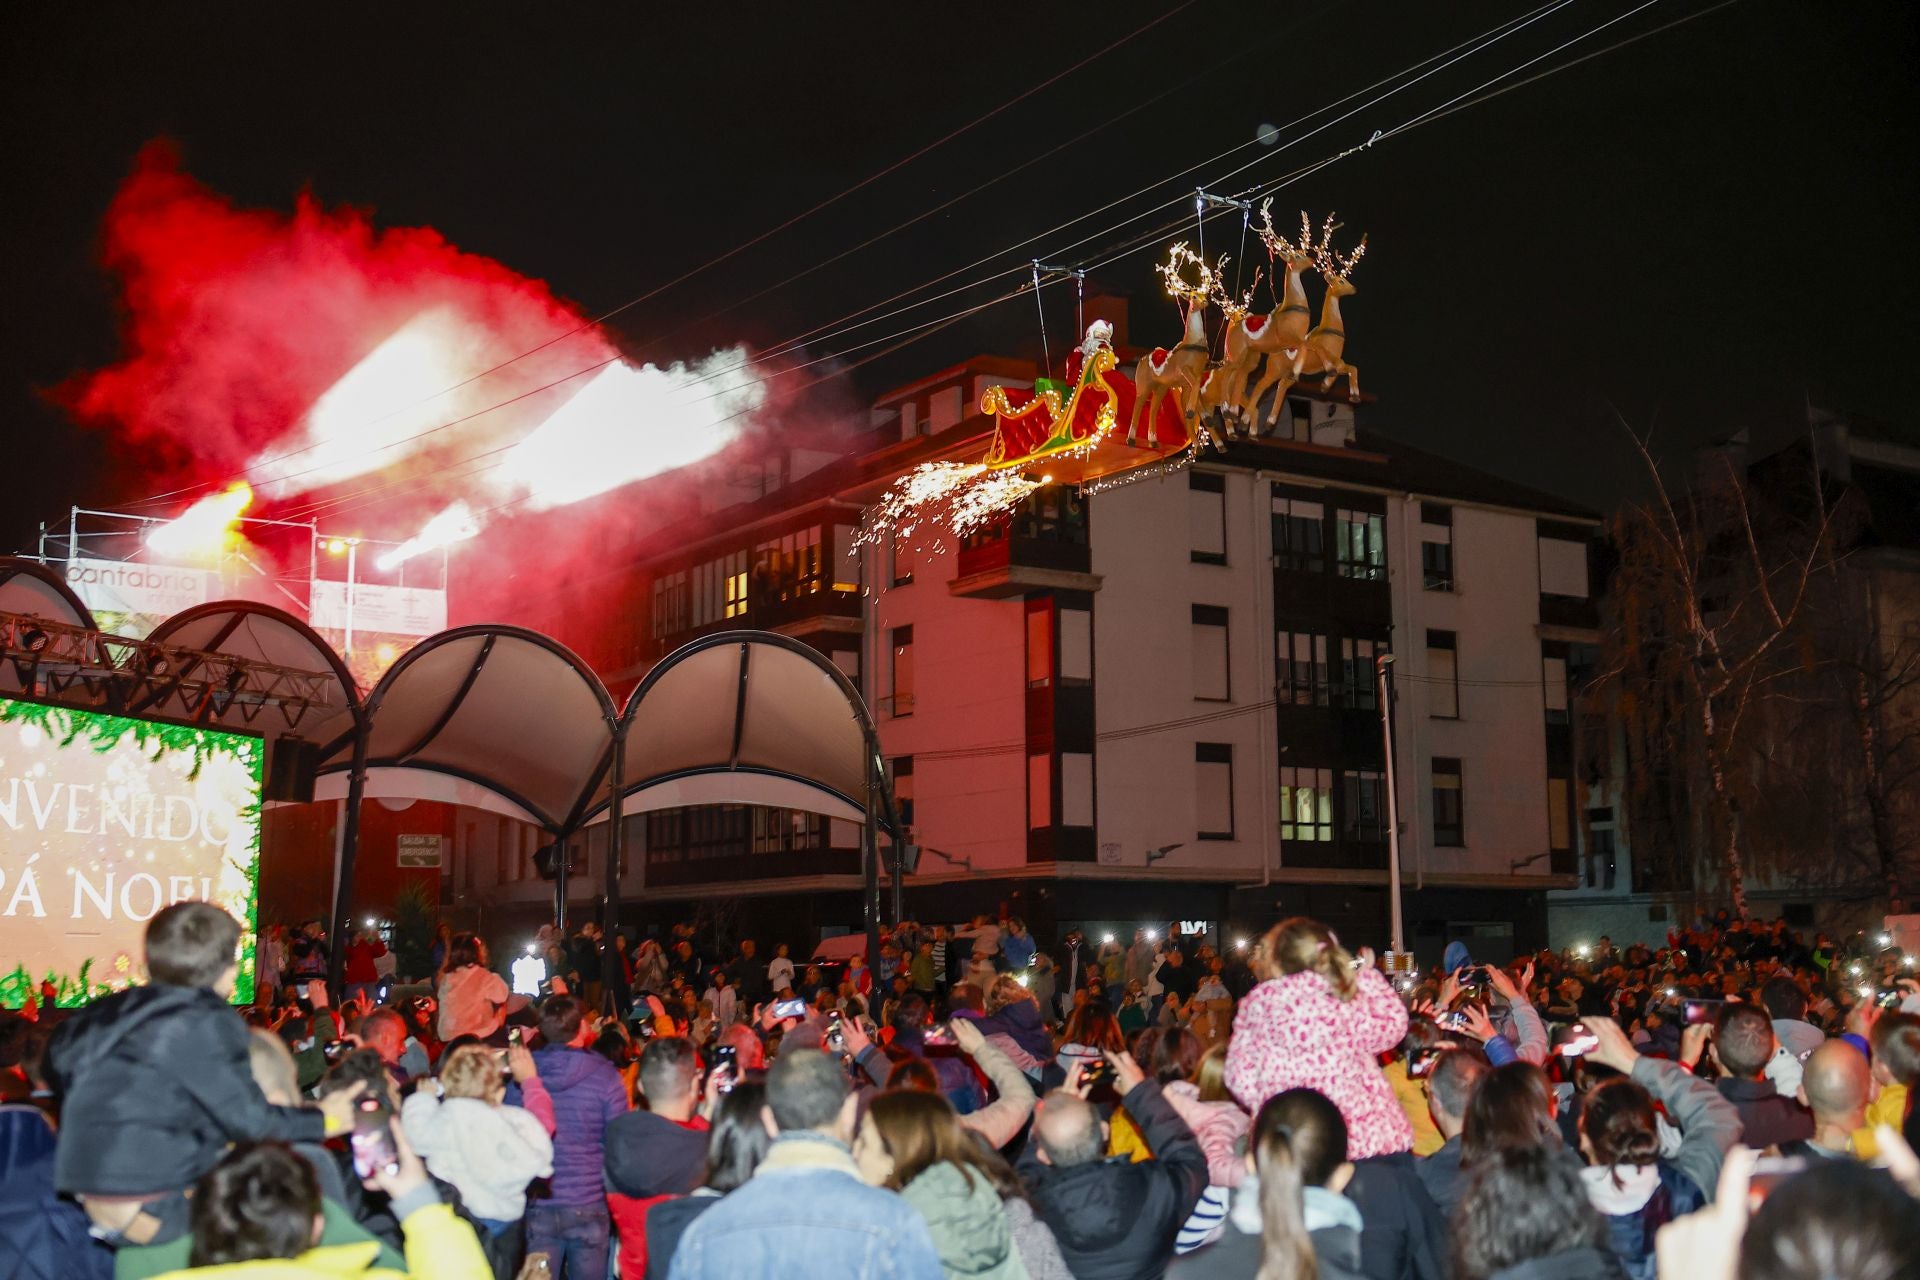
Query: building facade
[{"x": 1158, "y": 702}]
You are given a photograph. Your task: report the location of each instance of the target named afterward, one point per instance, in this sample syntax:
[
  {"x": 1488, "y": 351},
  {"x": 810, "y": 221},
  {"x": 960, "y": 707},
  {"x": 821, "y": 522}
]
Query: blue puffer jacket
[
  {"x": 587, "y": 1094},
  {"x": 45, "y": 1237}
]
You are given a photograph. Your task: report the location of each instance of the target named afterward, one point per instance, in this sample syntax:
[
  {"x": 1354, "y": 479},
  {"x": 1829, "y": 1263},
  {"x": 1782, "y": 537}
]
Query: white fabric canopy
[
  {"x": 31, "y": 589},
  {"x": 499, "y": 717},
  {"x": 746, "y": 717}
]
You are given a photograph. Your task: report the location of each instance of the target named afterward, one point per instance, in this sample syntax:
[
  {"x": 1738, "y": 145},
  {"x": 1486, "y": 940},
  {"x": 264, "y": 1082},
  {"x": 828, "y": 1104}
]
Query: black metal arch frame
[
  {"x": 489, "y": 634},
  {"x": 359, "y": 712},
  {"x": 879, "y": 799},
  {"x": 14, "y": 566}
]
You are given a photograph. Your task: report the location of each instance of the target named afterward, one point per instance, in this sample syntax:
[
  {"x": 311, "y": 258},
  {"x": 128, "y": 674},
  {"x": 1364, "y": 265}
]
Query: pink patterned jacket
[{"x": 1294, "y": 1033}]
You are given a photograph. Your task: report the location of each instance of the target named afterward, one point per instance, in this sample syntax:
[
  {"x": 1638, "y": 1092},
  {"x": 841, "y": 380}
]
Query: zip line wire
[
  {"x": 1446, "y": 59},
  {"x": 829, "y": 330},
  {"x": 1172, "y": 225}
]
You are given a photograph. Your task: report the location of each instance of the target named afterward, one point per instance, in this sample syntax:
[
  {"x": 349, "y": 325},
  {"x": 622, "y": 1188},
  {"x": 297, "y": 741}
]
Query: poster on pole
[
  {"x": 104, "y": 820},
  {"x": 384, "y": 610}
]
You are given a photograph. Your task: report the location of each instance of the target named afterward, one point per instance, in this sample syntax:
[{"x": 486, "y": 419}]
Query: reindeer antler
[
  {"x": 1277, "y": 244},
  {"x": 1231, "y": 306},
  {"x": 1179, "y": 258},
  {"x": 1329, "y": 262}
]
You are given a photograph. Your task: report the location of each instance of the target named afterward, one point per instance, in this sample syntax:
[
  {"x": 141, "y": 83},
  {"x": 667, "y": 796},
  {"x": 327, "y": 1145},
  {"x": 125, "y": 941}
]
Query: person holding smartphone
[
  {"x": 258, "y": 1212},
  {"x": 659, "y": 1152}
]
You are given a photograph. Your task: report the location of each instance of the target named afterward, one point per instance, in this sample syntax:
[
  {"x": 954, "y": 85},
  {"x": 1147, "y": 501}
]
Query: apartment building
[{"x": 1154, "y": 703}]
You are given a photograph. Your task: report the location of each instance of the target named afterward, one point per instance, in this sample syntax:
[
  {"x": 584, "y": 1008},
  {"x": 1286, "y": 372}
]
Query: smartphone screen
[
  {"x": 726, "y": 1067},
  {"x": 794, "y": 1008},
  {"x": 1695, "y": 1012},
  {"x": 372, "y": 1141}
]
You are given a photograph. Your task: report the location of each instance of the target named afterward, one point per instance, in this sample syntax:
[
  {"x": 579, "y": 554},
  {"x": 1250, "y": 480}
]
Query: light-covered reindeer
[
  {"x": 1181, "y": 371},
  {"x": 1322, "y": 352}
]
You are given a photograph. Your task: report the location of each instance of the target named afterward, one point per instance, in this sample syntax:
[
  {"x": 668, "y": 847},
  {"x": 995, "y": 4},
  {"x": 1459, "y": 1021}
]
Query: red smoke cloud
[{"x": 237, "y": 320}]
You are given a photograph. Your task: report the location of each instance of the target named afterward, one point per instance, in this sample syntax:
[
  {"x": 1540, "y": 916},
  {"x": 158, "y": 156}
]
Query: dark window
[
  {"x": 1448, "y": 809},
  {"x": 1359, "y": 677},
  {"x": 1299, "y": 535},
  {"x": 1436, "y": 566},
  {"x": 1438, "y": 513},
  {"x": 903, "y": 788},
  {"x": 1301, "y": 668},
  {"x": 1300, "y": 418},
  {"x": 1364, "y": 798}
]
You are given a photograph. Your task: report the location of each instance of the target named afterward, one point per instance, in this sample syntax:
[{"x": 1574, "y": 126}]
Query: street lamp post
[{"x": 1383, "y": 667}]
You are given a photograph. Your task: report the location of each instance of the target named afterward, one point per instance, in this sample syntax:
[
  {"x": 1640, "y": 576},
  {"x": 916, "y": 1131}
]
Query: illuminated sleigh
[{"x": 1082, "y": 439}]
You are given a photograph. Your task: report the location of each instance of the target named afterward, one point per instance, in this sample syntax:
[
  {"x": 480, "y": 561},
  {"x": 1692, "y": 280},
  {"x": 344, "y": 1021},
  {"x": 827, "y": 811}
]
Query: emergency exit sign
[{"x": 421, "y": 851}]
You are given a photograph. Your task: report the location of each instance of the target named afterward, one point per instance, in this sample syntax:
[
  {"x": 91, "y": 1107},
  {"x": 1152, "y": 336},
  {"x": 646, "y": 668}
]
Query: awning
[
  {"x": 497, "y": 717},
  {"x": 745, "y": 717},
  {"x": 30, "y": 588},
  {"x": 296, "y": 686}
]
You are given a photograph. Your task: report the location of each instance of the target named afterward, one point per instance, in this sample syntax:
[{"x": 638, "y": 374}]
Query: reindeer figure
[
  {"x": 1218, "y": 401},
  {"x": 1179, "y": 371},
  {"x": 1279, "y": 337},
  {"x": 1323, "y": 350}
]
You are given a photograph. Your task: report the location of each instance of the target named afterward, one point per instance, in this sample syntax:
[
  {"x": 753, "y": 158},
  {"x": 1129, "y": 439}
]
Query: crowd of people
[{"x": 972, "y": 1104}]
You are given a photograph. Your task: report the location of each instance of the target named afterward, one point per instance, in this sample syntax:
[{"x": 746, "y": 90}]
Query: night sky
[{"x": 1705, "y": 229}]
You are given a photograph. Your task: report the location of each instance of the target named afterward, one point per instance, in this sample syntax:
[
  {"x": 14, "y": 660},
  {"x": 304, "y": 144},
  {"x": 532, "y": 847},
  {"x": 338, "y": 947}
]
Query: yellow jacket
[
  {"x": 1125, "y": 1139},
  {"x": 1413, "y": 1100},
  {"x": 439, "y": 1247},
  {"x": 1889, "y": 1109}
]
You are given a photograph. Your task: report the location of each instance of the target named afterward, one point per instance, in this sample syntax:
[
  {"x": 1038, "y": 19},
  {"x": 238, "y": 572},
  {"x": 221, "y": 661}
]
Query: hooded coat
[
  {"x": 156, "y": 1084},
  {"x": 968, "y": 1224},
  {"x": 1115, "y": 1219},
  {"x": 489, "y": 1153}
]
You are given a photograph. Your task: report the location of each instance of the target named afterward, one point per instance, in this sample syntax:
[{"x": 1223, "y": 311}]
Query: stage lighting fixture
[{"x": 35, "y": 639}]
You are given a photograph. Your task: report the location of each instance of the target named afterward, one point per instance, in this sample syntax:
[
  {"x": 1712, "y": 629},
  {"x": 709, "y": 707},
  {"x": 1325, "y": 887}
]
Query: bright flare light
[
  {"x": 455, "y": 524},
  {"x": 363, "y": 421},
  {"x": 201, "y": 532},
  {"x": 628, "y": 424}
]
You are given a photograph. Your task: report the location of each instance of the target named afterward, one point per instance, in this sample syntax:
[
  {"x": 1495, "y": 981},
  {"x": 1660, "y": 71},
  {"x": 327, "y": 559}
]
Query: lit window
[
  {"x": 1306, "y": 805},
  {"x": 1361, "y": 545}
]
